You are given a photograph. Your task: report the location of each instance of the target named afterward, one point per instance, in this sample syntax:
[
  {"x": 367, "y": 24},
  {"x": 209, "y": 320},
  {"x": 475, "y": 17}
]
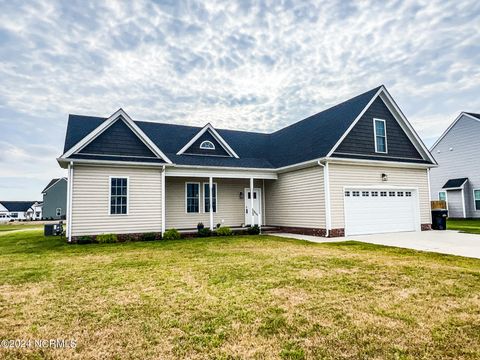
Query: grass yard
[
  {"x": 469, "y": 226},
  {"x": 19, "y": 226},
  {"x": 256, "y": 297}
]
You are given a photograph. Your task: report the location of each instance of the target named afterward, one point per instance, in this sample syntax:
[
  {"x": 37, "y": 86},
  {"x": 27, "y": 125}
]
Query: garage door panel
[{"x": 380, "y": 210}]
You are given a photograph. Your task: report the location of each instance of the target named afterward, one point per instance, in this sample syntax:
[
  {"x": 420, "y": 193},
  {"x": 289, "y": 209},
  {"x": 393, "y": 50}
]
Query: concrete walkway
[{"x": 444, "y": 242}]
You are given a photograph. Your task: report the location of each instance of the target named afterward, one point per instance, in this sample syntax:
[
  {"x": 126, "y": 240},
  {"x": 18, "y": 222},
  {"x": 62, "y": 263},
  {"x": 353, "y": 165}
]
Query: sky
[{"x": 246, "y": 65}]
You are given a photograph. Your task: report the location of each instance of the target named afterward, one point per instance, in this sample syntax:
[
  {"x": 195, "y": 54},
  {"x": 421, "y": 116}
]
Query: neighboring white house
[
  {"x": 457, "y": 178},
  {"x": 358, "y": 167},
  {"x": 35, "y": 211},
  {"x": 17, "y": 210}
]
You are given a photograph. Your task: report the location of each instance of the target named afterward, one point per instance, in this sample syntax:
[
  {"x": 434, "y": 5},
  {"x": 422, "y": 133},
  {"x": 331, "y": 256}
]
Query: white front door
[
  {"x": 369, "y": 211},
  {"x": 256, "y": 207}
]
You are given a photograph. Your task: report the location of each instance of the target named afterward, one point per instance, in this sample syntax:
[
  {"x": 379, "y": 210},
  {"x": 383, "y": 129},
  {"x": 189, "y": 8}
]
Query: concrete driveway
[{"x": 444, "y": 242}]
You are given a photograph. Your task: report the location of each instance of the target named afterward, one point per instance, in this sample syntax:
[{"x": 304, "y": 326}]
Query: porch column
[
  {"x": 210, "y": 186},
  {"x": 251, "y": 202}
]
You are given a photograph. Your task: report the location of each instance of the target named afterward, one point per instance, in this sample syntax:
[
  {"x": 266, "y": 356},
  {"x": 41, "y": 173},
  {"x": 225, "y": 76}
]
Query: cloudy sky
[{"x": 248, "y": 65}]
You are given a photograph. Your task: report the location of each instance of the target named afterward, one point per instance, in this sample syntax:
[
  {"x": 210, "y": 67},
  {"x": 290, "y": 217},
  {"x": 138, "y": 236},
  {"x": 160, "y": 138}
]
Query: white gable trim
[
  {"x": 55, "y": 183},
  {"x": 217, "y": 137},
  {"x": 106, "y": 124},
  {"x": 451, "y": 126},
  {"x": 398, "y": 115}
]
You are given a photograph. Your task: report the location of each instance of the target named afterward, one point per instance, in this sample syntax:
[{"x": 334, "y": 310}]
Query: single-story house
[
  {"x": 457, "y": 178},
  {"x": 358, "y": 167},
  {"x": 17, "y": 210},
  {"x": 55, "y": 199}
]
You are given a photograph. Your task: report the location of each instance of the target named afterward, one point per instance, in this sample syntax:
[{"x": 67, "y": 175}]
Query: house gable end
[
  {"x": 206, "y": 136},
  {"x": 118, "y": 139},
  {"x": 208, "y": 133},
  {"x": 360, "y": 141}
]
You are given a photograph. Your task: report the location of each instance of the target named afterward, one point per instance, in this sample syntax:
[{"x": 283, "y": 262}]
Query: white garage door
[{"x": 369, "y": 211}]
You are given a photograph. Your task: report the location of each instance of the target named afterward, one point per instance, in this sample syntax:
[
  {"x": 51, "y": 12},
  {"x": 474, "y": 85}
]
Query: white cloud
[{"x": 254, "y": 67}]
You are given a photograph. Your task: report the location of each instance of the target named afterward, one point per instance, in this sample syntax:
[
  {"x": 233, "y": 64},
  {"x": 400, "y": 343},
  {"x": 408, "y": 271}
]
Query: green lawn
[
  {"x": 256, "y": 297},
  {"x": 19, "y": 226},
  {"x": 468, "y": 226}
]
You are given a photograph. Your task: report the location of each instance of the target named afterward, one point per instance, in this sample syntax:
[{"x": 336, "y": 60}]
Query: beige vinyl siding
[
  {"x": 360, "y": 175},
  {"x": 296, "y": 199},
  {"x": 90, "y": 211},
  {"x": 230, "y": 207}
]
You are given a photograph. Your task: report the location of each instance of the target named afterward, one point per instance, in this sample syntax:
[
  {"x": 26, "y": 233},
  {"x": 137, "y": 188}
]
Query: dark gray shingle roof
[
  {"x": 20, "y": 206},
  {"x": 454, "y": 183},
  {"x": 305, "y": 140}
]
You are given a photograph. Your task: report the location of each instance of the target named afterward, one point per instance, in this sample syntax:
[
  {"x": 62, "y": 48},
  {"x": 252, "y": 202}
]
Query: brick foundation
[
  {"x": 426, "y": 227},
  {"x": 120, "y": 237},
  {"x": 302, "y": 231},
  {"x": 340, "y": 232}
]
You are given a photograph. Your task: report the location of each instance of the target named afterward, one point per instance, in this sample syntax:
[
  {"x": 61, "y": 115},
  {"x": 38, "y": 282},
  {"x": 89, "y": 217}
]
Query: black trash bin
[
  {"x": 48, "y": 230},
  {"x": 439, "y": 219}
]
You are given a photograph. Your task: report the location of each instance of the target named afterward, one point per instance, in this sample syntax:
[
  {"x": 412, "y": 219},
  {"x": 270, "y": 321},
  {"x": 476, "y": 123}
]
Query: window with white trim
[
  {"x": 118, "y": 196},
  {"x": 391, "y": 193},
  {"x": 207, "y": 145},
  {"x": 356, "y": 193},
  {"x": 374, "y": 193},
  {"x": 58, "y": 211},
  {"x": 383, "y": 193},
  {"x": 380, "y": 129},
  {"x": 476, "y": 198},
  {"x": 192, "y": 197},
  {"x": 442, "y": 195},
  {"x": 206, "y": 197},
  {"x": 14, "y": 215},
  {"x": 347, "y": 193},
  {"x": 408, "y": 193}
]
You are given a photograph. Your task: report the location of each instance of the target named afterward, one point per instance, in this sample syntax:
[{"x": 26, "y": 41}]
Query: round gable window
[{"x": 207, "y": 145}]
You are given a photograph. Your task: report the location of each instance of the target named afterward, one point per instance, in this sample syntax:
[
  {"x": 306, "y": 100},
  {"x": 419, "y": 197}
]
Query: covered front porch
[{"x": 237, "y": 201}]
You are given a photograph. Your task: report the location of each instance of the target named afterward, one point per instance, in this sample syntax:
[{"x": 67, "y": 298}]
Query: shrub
[
  {"x": 106, "y": 238},
  {"x": 224, "y": 231},
  {"x": 85, "y": 240},
  {"x": 254, "y": 230},
  {"x": 218, "y": 225},
  {"x": 172, "y": 234},
  {"x": 205, "y": 232},
  {"x": 148, "y": 236},
  {"x": 200, "y": 226}
]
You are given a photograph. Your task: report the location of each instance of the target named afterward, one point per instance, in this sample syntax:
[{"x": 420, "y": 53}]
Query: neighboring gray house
[
  {"x": 55, "y": 199},
  {"x": 358, "y": 167},
  {"x": 457, "y": 178}
]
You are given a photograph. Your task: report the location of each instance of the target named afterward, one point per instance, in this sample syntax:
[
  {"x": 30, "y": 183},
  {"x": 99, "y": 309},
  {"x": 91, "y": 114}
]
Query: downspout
[
  {"x": 70, "y": 200},
  {"x": 163, "y": 200},
  {"x": 326, "y": 190}
]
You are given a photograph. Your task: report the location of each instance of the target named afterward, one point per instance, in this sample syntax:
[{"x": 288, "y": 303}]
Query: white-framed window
[
  {"x": 14, "y": 215},
  {"x": 380, "y": 129},
  {"x": 374, "y": 193},
  {"x": 347, "y": 193},
  {"x": 400, "y": 193},
  {"x": 356, "y": 193},
  {"x": 206, "y": 197},
  {"x": 442, "y": 195},
  {"x": 391, "y": 193},
  {"x": 118, "y": 195},
  {"x": 192, "y": 197},
  {"x": 408, "y": 193},
  {"x": 365, "y": 193},
  {"x": 58, "y": 211},
  {"x": 476, "y": 199},
  {"x": 207, "y": 145},
  {"x": 383, "y": 193}
]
